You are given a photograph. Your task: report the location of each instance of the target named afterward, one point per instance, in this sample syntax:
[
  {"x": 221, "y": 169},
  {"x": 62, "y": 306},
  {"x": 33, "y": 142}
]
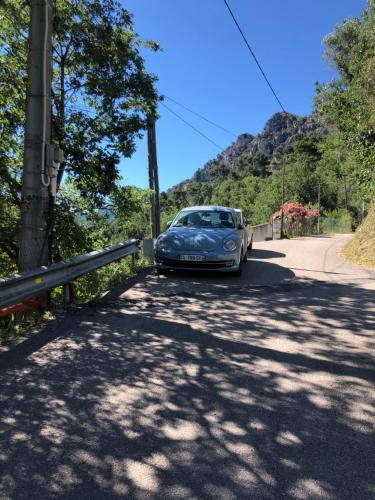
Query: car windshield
[{"x": 204, "y": 218}]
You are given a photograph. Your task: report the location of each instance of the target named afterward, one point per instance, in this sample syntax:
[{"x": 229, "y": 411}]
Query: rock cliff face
[
  {"x": 227, "y": 157},
  {"x": 278, "y": 134},
  {"x": 281, "y": 130}
]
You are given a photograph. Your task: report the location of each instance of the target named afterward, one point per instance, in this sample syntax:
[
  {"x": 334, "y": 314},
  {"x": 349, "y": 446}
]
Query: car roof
[{"x": 208, "y": 207}]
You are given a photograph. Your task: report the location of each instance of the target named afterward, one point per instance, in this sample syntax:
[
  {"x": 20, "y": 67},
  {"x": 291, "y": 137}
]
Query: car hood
[{"x": 199, "y": 239}]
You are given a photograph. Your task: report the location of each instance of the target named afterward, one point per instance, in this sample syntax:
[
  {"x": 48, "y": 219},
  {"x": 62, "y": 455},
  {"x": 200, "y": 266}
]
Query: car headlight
[
  {"x": 161, "y": 243},
  {"x": 230, "y": 245}
]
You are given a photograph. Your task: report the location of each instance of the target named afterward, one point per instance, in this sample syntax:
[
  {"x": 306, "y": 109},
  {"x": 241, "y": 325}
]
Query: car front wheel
[
  {"x": 244, "y": 258},
  {"x": 238, "y": 271},
  {"x": 161, "y": 272}
]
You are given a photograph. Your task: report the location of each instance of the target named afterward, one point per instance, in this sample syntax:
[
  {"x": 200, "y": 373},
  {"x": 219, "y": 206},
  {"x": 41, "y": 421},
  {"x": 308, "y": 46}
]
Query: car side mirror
[
  {"x": 240, "y": 226},
  {"x": 246, "y": 223},
  {"x": 169, "y": 223}
]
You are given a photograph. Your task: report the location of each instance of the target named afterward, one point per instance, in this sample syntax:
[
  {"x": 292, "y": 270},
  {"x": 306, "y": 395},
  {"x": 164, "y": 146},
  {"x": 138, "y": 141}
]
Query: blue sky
[{"x": 206, "y": 66}]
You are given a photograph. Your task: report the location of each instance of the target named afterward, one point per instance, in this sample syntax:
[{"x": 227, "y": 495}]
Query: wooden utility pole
[
  {"x": 282, "y": 199},
  {"x": 318, "y": 207},
  {"x": 151, "y": 180},
  {"x": 153, "y": 177},
  {"x": 35, "y": 203},
  {"x": 346, "y": 195}
]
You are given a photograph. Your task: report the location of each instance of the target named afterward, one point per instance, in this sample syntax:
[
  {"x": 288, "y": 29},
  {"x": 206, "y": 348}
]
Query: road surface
[{"x": 202, "y": 387}]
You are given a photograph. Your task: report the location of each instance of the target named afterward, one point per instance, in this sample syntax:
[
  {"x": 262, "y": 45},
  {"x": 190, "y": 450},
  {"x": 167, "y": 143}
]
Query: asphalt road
[{"x": 202, "y": 386}]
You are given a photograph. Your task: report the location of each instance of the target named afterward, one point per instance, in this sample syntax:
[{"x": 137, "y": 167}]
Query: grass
[
  {"x": 361, "y": 248},
  {"x": 18, "y": 324}
]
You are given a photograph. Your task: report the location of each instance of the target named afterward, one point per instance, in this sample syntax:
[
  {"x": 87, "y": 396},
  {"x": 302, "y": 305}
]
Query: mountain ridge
[{"x": 278, "y": 134}]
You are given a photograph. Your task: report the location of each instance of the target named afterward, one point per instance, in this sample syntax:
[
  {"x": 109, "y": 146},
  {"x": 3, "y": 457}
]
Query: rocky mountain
[{"x": 277, "y": 135}]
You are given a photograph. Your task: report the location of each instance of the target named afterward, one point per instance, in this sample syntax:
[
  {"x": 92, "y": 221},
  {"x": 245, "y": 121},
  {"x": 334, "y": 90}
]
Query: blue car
[{"x": 205, "y": 238}]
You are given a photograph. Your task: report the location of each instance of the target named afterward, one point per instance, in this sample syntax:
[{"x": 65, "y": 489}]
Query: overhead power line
[
  {"x": 254, "y": 56},
  {"x": 202, "y": 117},
  {"x": 80, "y": 108},
  {"x": 191, "y": 126}
]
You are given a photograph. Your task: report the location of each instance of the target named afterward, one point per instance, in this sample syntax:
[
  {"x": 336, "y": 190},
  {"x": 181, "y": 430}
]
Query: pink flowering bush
[{"x": 298, "y": 219}]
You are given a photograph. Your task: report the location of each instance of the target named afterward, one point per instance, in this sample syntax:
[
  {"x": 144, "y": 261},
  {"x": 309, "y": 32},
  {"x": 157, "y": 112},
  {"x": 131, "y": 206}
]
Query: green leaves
[
  {"x": 103, "y": 94},
  {"x": 102, "y": 99},
  {"x": 348, "y": 104}
]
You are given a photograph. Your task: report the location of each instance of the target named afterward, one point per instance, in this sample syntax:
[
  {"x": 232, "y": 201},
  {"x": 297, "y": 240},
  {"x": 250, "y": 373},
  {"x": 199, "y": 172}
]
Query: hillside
[
  {"x": 278, "y": 134},
  {"x": 361, "y": 248}
]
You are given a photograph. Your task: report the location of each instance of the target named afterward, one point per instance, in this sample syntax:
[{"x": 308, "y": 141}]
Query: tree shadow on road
[
  {"x": 178, "y": 282},
  {"x": 221, "y": 394},
  {"x": 260, "y": 253}
]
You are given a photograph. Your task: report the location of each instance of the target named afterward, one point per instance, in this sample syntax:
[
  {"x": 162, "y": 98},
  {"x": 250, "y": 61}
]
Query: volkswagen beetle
[{"x": 205, "y": 238}]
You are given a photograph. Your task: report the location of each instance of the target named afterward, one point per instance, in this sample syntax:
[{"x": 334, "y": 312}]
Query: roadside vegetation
[
  {"x": 361, "y": 248},
  {"x": 102, "y": 99}
]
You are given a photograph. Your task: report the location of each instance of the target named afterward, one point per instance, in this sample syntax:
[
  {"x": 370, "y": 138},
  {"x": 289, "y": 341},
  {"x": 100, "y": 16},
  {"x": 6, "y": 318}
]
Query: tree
[
  {"x": 178, "y": 198},
  {"x": 102, "y": 98},
  {"x": 239, "y": 194},
  {"x": 301, "y": 181},
  {"x": 268, "y": 199},
  {"x": 194, "y": 193},
  {"x": 13, "y": 46},
  {"x": 220, "y": 172},
  {"x": 131, "y": 209},
  {"x": 348, "y": 103},
  {"x": 261, "y": 164},
  {"x": 102, "y": 94}
]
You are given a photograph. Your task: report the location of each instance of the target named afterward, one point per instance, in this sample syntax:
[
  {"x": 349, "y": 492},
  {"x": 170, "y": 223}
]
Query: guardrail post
[{"x": 67, "y": 294}]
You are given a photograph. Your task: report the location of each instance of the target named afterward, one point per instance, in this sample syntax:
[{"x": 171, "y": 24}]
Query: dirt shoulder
[{"x": 361, "y": 248}]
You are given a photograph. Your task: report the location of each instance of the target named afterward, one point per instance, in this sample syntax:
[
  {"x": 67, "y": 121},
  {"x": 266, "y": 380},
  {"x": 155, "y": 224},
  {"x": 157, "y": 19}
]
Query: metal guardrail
[{"x": 26, "y": 285}]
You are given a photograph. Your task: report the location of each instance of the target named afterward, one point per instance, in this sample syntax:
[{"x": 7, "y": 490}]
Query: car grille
[{"x": 208, "y": 264}]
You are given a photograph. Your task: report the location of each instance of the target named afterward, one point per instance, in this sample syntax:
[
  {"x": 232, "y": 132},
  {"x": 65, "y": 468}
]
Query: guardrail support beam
[
  {"x": 30, "y": 284},
  {"x": 68, "y": 294}
]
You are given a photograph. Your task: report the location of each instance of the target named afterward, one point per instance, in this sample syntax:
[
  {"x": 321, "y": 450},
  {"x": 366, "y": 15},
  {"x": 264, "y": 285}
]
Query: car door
[
  {"x": 248, "y": 230},
  {"x": 242, "y": 233}
]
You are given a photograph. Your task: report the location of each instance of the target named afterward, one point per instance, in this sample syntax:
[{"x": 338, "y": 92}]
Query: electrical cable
[
  {"x": 191, "y": 126},
  {"x": 202, "y": 117},
  {"x": 74, "y": 106},
  {"x": 254, "y": 56}
]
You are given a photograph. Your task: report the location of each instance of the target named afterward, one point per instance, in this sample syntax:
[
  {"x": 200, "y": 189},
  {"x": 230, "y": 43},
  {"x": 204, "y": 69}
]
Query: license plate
[{"x": 192, "y": 258}]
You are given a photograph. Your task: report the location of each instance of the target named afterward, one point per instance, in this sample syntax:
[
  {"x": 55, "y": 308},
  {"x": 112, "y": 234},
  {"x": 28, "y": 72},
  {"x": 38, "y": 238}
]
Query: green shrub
[
  {"x": 95, "y": 284},
  {"x": 337, "y": 221}
]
